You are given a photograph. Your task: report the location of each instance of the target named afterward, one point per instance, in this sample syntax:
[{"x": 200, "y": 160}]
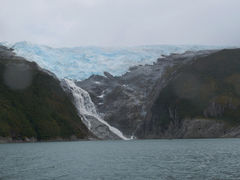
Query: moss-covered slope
[{"x": 33, "y": 104}]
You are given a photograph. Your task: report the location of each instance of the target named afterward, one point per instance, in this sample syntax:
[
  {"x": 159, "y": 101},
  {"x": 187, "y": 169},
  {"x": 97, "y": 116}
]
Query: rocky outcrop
[{"x": 199, "y": 128}]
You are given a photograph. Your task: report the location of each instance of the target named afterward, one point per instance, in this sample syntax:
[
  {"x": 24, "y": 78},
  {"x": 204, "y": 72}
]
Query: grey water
[{"x": 140, "y": 159}]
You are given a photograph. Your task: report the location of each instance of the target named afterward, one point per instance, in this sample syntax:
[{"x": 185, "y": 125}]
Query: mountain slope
[
  {"x": 33, "y": 104},
  {"x": 201, "y": 100}
]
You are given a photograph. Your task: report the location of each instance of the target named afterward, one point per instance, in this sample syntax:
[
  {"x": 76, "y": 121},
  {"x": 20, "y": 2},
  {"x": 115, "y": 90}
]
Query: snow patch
[
  {"x": 101, "y": 96},
  {"x": 97, "y": 82}
]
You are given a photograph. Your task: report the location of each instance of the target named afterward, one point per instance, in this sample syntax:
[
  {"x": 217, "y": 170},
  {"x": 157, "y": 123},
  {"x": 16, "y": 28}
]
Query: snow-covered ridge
[
  {"x": 87, "y": 111},
  {"x": 81, "y": 62}
]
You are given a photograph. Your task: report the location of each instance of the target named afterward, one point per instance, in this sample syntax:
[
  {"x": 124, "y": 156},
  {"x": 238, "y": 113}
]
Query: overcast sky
[{"x": 120, "y": 22}]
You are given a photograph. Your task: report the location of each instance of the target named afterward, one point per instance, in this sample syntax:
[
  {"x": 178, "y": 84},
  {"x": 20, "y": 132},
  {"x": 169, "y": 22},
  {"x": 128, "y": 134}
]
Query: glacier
[{"x": 81, "y": 62}]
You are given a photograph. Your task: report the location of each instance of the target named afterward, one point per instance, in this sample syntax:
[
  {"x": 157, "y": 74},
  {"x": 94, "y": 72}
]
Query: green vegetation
[
  {"x": 209, "y": 87},
  {"x": 41, "y": 110}
]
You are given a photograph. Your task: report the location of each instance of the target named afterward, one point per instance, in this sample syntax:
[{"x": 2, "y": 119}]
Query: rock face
[
  {"x": 33, "y": 105},
  {"x": 204, "y": 91},
  {"x": 125, "y": 101}
]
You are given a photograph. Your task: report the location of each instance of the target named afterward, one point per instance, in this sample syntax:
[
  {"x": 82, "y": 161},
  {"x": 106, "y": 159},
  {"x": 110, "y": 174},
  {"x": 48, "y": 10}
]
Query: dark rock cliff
[{"x": 201, "y": 100}]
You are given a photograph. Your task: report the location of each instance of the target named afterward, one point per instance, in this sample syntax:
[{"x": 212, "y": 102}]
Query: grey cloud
[{"x": 121, "y": 22}]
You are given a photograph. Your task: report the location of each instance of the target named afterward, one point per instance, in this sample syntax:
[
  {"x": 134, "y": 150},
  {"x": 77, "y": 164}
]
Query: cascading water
[{"x": 87, "y": 111}]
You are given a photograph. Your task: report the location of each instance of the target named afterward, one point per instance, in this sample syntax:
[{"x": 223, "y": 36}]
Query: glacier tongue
[{"x": 87, "y": 111}]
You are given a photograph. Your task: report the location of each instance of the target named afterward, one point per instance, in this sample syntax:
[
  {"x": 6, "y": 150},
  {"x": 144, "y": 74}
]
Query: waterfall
[{"x": 87, "y": 111}]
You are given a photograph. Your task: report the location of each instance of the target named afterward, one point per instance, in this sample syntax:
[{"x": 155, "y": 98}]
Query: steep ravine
[{"x": 87, "y": 112}]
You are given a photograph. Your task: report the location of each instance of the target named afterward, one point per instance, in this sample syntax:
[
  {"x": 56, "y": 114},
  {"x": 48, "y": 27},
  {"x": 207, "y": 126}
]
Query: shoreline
[{"x": 9, "y": 140}]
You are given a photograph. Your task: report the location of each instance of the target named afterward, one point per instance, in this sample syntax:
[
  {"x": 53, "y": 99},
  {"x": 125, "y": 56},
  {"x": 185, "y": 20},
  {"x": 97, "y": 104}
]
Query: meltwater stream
[
  {"x": 87, "y": 111},
  {"x": 198, "y": 159}
]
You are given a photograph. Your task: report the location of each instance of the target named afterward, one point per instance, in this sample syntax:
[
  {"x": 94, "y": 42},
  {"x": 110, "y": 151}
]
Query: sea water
[{"x": 136, "y": 159}]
